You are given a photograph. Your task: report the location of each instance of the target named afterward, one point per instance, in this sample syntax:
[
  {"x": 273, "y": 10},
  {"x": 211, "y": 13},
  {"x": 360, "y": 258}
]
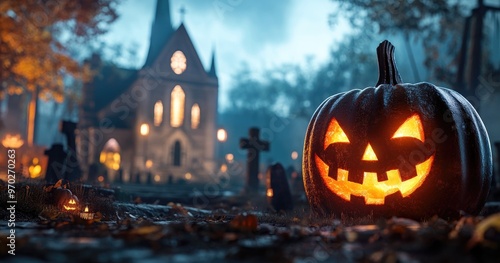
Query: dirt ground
[{"x": 233, "y": 228}]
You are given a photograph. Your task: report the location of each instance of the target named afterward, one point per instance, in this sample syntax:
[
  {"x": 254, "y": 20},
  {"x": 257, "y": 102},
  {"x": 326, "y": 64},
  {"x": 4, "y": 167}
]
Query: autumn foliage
[{"x": 35, "y": 40}]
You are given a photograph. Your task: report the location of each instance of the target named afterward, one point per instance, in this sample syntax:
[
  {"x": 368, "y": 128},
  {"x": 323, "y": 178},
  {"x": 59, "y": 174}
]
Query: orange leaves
[
  {"x": 245, "y": 223},
  {"x": 35, "y": 37}
]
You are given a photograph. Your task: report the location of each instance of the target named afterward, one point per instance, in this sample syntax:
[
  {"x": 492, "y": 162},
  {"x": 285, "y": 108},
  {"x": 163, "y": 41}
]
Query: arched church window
[
  {"x": 195, "y": 116},
  {"x": 158, "y": 113},
  {"x": 177, "y": 154},
  {"x": 177, "y": 99},
  {"x": 110, "y": 155}
]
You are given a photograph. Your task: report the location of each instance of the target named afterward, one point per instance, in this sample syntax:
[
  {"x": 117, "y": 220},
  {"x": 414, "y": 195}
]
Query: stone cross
[
  {"x": 254, "y": 146},
  {"x": 72, "y": 171}
]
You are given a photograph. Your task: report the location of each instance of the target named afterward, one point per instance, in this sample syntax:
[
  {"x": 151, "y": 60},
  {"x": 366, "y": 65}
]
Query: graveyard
[{"x": 383, "y": 147}]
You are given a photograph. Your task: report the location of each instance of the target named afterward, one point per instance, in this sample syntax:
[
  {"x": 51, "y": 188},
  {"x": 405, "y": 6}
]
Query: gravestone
[
  {"x": 119, "y": 176},
  {"x": 149, "y": 178},
  {"x": 138, "y": 178},
  {"x": 254, "y": 146},
  {"x": 55, "y": 164},
  {"x": 71, "y": 168},
  {"x": 278, "y": 191},
  {"x": 93, "y": 173}
]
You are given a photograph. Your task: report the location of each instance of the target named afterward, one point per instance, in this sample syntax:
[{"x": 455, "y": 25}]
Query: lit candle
[{"x": 86, "y": 214}]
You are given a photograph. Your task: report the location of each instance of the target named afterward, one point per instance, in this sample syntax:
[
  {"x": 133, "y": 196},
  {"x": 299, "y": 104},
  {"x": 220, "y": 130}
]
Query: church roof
[
  {"x": 180, "y": 40},
  {"x": 110, "y": 83}
]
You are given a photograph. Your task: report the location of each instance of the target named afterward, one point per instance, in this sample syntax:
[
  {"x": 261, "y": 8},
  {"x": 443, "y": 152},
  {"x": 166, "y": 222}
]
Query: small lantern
[
  {"x": 86, "y": 214},
  {"x": 35, "y": 169}
]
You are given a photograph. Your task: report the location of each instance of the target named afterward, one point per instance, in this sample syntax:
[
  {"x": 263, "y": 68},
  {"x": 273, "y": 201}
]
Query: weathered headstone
[
  {"x": 149, "y": 178},
  {"x": 278, "y": 191},
  {"x": 138, "y": 178},
  {"x": 254, "y": 146},
  {"x": 93, "y": 173},
  {"x": 57, "y": 156},
  {"x": 71, "y": 168},
  {"x": 119, "y": 176}
]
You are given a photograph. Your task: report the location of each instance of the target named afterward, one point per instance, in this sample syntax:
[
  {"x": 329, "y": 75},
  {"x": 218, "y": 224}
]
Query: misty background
[{"x": 278, "y": 60}]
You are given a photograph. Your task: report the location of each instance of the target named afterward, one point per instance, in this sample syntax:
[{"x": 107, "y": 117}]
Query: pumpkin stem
[{"x": 387, "y": 70}]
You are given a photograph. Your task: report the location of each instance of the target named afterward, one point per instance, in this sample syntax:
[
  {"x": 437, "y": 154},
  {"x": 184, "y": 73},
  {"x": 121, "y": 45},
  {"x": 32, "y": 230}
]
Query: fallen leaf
[{"x": 491, "y": 223}]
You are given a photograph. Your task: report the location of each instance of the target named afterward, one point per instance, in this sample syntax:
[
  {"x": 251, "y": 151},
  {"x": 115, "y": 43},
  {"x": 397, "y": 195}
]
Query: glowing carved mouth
[{"x": 371, "y": 189}]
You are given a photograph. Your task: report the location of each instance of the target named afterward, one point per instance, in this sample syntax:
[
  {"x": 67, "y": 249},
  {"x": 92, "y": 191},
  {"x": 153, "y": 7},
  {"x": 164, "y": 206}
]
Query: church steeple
[
  {"x": 212, "y": 72},
  {"x": 160, "y": 31}
]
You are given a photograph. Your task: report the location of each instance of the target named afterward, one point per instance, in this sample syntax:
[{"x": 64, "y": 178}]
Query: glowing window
[
  {"x": 110, "y": 155},
  {"x": 178, "y": 62},
  {"x": 195, "y": 116},
  {"x": 177, "y": 99},
  {"x": 158, "y": 113}
]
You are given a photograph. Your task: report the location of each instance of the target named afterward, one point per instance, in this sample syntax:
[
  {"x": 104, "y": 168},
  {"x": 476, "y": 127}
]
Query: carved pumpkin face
[
  {"x": 376, "y": 183},
  {"x": 412, "y": 150},
  {"x": 71, "y": 204}
]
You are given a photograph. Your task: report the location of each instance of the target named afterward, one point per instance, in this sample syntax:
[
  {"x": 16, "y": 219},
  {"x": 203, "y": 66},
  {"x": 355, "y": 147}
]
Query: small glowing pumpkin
[
  {"x": 71, "y": 204},
  {"x": 65, "y": 199},
  {"x": 412, "y": 150}
]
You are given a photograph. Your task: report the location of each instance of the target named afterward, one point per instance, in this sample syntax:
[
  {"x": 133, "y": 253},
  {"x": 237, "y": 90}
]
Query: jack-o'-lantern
[
  {"x": 65, "y": 199},
  {"x": 397, "y": 149},
  {"x": 71, "y": 204}
]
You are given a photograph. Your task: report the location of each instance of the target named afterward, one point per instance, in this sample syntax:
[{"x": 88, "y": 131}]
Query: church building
[{"x": 154, "y": 124}]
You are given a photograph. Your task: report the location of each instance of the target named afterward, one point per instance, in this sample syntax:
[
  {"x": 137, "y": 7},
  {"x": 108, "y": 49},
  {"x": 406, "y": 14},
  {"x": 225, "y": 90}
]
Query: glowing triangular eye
[
  {"x": 412, "y": 127},
  {"x": 334, "y": 134}
]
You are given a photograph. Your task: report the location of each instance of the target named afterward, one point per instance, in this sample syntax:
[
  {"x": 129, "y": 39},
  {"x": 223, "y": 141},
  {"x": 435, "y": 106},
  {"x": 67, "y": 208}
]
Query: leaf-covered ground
[{"x": 235, "y": 230}]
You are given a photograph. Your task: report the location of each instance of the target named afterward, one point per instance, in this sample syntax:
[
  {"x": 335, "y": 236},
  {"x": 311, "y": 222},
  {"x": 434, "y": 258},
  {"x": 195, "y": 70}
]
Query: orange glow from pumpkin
[
  {"x": 369, "y": 154},
  {"x": 71, "y": 206},
  {"x": 371, "y": 189},
  {"x": 86, "y": 214},
  {"x": 270, "y": 192},
  {"x": 412, "y": 127},
  {"x": 334, "y": 134}
]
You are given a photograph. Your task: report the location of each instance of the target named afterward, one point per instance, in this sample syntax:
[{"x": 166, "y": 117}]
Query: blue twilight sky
[{"x": 261, "y": 33}]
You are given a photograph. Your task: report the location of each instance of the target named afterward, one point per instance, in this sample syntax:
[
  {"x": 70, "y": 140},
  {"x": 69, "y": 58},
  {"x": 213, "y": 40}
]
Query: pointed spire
[
  {"x": 212, "y": 72},
  {"x": 161, "y": 30}
]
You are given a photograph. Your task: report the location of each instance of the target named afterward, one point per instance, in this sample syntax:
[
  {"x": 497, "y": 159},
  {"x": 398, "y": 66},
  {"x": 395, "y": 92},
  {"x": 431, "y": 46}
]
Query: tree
[
  {"x": 296, "y": 90},
  {"x": 34, "y": 40},
  {"x": 438, "y": 25},
  {"x": 352, "y": 64}
]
